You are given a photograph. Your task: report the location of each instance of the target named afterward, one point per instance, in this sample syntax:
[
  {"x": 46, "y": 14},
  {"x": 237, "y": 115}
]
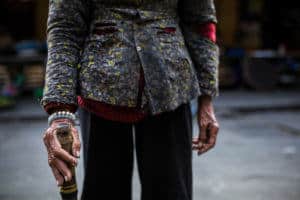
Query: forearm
[
  {"x": 198, "y": 20},
  {"x": 201, "y": 43},
  {"x": 203, "y": 99},
  {"x": 66, "y": 32},
  {"x": 205, "y": 53},
  {"x": 206, "y": 30}
]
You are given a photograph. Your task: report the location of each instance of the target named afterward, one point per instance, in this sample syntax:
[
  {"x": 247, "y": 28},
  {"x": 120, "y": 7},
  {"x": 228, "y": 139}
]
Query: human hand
[
  {"x": 58, "y": 158},
  {"x": 208, "y": 126}
]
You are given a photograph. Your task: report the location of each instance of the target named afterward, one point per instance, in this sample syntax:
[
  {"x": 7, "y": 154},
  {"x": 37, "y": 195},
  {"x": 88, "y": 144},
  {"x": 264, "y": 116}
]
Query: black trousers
[{"x": 163, "y": 146}]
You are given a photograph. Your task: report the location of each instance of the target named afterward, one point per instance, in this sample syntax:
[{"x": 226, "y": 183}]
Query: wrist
[
  {"x": 203, "y": 99},
  {"x": 62, "y": 120}
]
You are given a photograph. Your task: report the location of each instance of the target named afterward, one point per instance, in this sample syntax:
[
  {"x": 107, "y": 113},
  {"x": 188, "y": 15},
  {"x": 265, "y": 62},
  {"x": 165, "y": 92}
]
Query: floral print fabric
[{"x": 96, "y": 49}]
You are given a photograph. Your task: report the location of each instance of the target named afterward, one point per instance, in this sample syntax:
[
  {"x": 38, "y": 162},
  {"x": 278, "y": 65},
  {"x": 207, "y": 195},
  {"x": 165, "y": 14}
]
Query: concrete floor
[{"x": 257, "y": 157}]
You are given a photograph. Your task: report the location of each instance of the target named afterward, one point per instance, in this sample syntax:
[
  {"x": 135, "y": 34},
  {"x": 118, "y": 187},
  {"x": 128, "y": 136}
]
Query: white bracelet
[{"x": 60, "y": 115}]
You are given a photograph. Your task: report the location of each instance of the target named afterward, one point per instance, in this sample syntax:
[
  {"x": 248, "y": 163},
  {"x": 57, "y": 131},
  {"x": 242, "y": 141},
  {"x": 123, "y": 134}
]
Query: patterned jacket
[{"x": 96, "y": 49}]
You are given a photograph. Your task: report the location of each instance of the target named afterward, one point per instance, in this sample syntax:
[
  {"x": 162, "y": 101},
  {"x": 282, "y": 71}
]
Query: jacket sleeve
[
  {"x": 204, "y": 52},
  {"x": 66, "y": 32}
]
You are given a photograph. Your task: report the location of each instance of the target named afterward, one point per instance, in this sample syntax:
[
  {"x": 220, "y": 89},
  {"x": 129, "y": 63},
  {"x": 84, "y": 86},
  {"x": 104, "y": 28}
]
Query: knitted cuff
[{"x": 52, "y": 107}]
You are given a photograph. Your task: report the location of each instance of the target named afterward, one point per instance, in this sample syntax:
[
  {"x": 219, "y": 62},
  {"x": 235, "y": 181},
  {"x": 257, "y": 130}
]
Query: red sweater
[{"x": 121, "y": 113}]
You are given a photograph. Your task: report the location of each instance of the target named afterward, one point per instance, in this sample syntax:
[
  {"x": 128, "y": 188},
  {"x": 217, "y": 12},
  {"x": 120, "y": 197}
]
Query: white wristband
[{"x": 61, "y": 115}]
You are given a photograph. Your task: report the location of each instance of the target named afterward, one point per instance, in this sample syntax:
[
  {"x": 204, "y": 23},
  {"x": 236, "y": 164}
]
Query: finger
[
  {"x": 65, "y": 156},
  {"x": 211, "y": 141},
  {"x": 59, "y": 169},
  {"x": 51, "y": 157},
  {"x": 195, "y": 140},
  {"x": 203, "y": 133},
  {"x": 63, "y": 169},
  {"x": 203, "y": 149},
  {"x": 59, "y": 178},
  {"x": 46, "y": 142},
  {"x": 46, "y": 136},
  {"x": 60, "y": 152},
  {"x": 195, "y": 147},
  {"x": 76, "y": 143},
  {"x": 45, "y": 139},
  {"x": 214, "y": 129},
  {"x": 196, "y": 143}
]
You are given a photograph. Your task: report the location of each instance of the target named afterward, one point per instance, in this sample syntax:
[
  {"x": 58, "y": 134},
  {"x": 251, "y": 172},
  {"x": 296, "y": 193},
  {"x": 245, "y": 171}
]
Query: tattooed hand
[
  {"x": 208, "y": 126},
  {"x": 58, "y": 158}
]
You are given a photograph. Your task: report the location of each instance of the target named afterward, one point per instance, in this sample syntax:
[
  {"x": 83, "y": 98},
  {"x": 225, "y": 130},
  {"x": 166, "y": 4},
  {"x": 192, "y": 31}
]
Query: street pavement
[{"x": 257, "y": 156}]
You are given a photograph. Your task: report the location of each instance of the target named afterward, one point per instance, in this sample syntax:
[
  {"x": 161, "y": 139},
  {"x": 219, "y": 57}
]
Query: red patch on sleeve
[
  {"x": 170, "y": 29},
  {"x": 208, "y": 30}
]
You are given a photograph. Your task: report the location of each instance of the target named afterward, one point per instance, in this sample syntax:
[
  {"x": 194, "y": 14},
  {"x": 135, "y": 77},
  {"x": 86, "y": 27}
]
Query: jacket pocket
[{"x": 104, "y": 28}]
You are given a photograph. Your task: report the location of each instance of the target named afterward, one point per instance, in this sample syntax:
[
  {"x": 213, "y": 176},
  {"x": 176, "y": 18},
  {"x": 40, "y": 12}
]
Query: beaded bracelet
[{"x": 60, "y": 115}]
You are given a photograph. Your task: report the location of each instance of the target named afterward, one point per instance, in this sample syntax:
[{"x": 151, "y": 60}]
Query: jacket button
[{"x": 138, "y": 48}]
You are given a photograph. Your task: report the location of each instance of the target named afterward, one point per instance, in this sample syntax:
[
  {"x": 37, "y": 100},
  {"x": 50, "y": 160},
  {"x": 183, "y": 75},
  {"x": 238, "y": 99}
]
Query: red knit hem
[{"x": 111, "y": 112}]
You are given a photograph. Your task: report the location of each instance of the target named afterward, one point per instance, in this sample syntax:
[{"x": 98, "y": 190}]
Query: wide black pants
[{"x": 163, "y": 147}]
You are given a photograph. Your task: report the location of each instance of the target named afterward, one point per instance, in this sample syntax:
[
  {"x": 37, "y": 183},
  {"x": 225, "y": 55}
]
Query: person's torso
[{"x": 125, "y": 35}]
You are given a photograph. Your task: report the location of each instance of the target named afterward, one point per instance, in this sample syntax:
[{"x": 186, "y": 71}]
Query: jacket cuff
[
  {"x": 52, "y": 107},
  {"x": 205, "y": 55},
  {"x": 212, "y": 91}
]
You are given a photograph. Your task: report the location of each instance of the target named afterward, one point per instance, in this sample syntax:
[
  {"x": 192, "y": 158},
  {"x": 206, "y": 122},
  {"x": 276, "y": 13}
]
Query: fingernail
[
  {"x": 66, "y": 178},
  {"x": 57, "y": 183},
  {"x": 77, "y": 153}
]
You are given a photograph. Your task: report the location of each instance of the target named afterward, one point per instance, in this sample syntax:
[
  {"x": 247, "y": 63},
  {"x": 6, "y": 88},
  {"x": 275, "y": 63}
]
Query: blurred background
[{"x": 258, "y": 150}]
